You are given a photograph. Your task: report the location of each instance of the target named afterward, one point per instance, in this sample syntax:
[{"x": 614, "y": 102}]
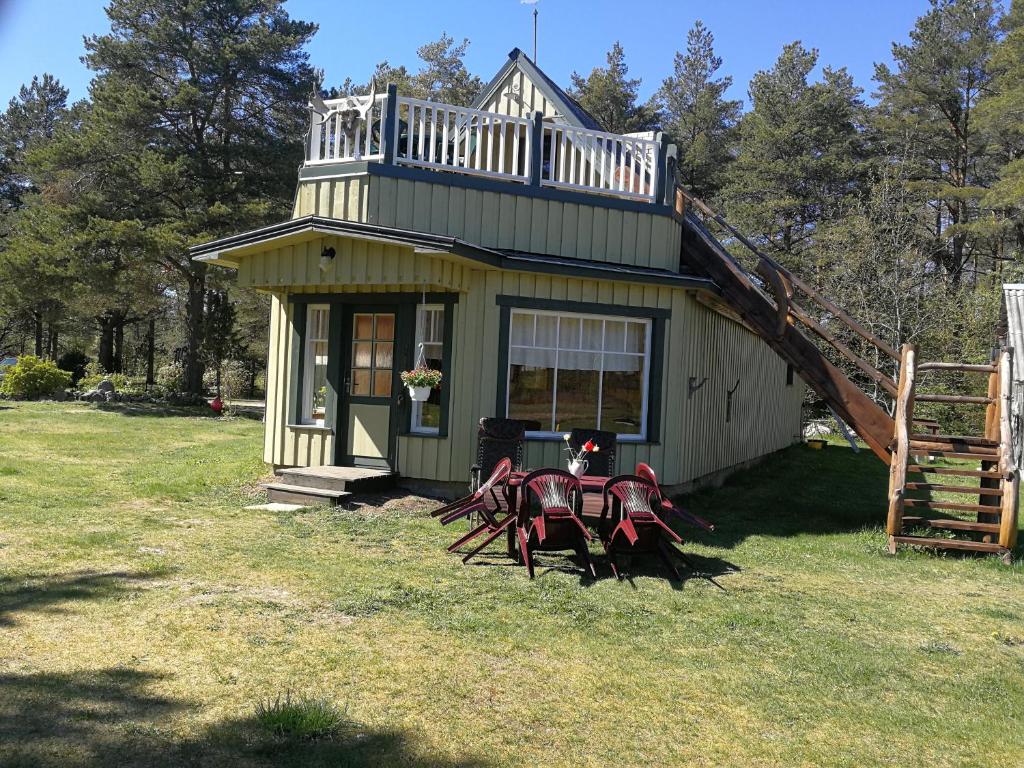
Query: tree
[
  {"x": 612, "y": 97},
  {"x": 1001, "y": 118},
  {"x": 221, "y": 337},
  {"x": 442, "y": 75},
  {"x": 799, "y": 154},
  {"x": 211, "y": 97},
  {"x": 698, "y": 117},
  {"x": 931, "y": 96}
]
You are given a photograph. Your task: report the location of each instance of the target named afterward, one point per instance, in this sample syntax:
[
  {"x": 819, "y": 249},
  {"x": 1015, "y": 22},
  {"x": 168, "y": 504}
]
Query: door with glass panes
[{"x": 368, "y": 386}]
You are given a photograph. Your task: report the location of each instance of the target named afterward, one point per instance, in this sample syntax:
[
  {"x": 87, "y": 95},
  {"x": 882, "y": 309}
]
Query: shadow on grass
[
  {"x": 156, "y": 410},
  {"x": 798, "y": 491},
  {"x": 49, "y": 593},
  {"x": 110, "y": 716}
]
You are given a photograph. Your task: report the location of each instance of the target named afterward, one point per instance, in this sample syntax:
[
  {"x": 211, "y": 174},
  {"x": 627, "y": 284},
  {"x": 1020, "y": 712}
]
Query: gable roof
[{"x": 570, "y": 109}]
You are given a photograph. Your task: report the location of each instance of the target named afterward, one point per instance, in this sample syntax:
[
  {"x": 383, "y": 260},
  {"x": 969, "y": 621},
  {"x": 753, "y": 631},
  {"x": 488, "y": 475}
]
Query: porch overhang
[{"x": 229, "y": 252}]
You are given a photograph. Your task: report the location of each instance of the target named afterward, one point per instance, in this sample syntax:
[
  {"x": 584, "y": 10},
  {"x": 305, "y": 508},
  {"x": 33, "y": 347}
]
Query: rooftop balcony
[{"x": 525, "y": 151}]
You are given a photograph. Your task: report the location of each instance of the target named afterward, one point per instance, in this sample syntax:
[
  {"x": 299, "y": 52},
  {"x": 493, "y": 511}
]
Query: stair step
[
  {"x": 953, "y": 471},
  {"x": 352, "y": 479},
  {"x": 961, "y": 544},
  {"x": 964, "y": 399},
  {"x": 969, "y": 367},
  {"x": 921, "y": 503},
  {"x": 303, "y": 494},
  {"x": 954, "y": 439},
  {"x": 974, "y": 490},
  {"x": 950, "y": 454},
  {"x": 953, "y": 525}
]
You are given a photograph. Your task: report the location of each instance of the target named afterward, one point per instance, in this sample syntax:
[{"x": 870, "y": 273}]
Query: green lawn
[{"x": 144, "y": 614}]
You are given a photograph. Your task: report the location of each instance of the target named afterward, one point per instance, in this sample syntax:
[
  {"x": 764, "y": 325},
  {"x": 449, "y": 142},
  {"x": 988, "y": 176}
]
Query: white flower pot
[
  {"x": 578, "y": 468},
  {"x": 419, "y": 394}
]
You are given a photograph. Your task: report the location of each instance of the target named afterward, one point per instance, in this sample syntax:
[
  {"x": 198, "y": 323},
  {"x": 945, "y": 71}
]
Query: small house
[{"x": 537, "y": 260}]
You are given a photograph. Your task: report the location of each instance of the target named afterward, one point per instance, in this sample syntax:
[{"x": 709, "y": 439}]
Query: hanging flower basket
[{"x": 419, "y": 381}]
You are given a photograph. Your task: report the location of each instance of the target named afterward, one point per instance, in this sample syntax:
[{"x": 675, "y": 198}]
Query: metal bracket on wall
[
  {"x": 693, "y": 385},
  {"x": 728, "y": 400}
]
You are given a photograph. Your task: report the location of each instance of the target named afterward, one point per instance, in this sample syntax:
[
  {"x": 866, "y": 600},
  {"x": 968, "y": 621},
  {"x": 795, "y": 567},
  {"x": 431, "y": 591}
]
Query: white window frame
[
  {"x": 416, "y": 410},
  {"x": 648, "y": 324},
  {"x": 308, "y": 362}
]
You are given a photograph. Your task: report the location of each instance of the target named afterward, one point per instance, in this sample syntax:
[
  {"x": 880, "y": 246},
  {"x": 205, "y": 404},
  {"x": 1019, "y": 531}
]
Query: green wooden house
[{"x": 534, "y": 258}]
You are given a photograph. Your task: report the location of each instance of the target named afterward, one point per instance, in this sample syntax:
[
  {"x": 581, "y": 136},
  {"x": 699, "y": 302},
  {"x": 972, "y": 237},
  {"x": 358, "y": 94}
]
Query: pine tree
[
  {"x": 212, "y": 97},
  {"x": 931, "y": 96},
  {"x": 799, "y": 154},
  {"x": 698, "y": 117},
  {"x": 612, "y": 97}
]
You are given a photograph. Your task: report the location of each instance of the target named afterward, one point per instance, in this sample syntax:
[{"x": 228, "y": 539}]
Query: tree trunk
[
  {"x": 194, "y": 314},
  {"x": 38, "y": 318},
  {"x": 119, "y": 346},
  {"x": 105, "y": 350},
  {"x": 150, "y": 352},
  {"x": 52, "y": 341}
]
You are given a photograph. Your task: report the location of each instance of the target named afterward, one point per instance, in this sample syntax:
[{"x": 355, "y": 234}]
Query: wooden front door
[{"x": 369, "y": 391}]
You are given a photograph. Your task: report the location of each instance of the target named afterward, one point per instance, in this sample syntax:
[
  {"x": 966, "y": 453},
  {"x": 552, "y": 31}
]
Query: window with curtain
[
  {"x": 571, "y": 370},
  {"x": 314, "y": 374},
  {"x": 426, "y": 416}
]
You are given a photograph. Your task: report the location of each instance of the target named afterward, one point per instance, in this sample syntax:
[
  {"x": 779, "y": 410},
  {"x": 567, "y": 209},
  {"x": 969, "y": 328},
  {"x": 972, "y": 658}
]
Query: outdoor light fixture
[{"x": 326, "y": 257}]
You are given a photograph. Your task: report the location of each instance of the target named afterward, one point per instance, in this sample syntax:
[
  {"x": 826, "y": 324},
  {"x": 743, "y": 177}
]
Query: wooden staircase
[
  {"x": 990, "y": 526},
  {"x": 330, "y": 485},
  {"x": 767, "y": 304}
]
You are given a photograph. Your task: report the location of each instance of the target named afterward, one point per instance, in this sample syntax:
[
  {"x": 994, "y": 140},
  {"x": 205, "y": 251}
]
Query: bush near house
[{"x": 32, "y": 378}]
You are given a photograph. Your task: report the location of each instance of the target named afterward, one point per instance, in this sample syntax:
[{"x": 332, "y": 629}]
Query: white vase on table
[{"x": 578, "y": 468}]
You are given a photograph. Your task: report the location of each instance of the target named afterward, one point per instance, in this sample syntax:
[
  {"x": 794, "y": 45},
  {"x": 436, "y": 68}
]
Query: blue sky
[{"x": 46, "y": 35}]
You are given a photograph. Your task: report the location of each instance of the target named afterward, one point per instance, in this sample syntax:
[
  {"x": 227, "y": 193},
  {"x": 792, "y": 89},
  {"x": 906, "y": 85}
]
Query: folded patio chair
[
  {"x": 476, "y": 504},
  {"x": 497, "y": 439},
  {"x": 601, "y": 463},
  {"x": 555, "y": 524},
  {"x": 666, "y": 506},
  {"x": 630, "y": 525}
]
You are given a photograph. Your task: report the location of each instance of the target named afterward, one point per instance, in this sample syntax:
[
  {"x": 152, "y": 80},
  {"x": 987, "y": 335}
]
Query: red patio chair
[
  {"x": 555, "y": 525},
  {"x": 665, "y": 506},
  {"x": 630, "y": 524},
  {"x": 476, "y": 503}
]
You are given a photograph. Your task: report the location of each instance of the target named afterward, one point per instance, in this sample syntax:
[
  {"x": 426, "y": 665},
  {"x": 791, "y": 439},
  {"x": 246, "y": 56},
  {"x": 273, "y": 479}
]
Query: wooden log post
[
  {"x": 992, "y": 427},
  {"x": 901, "y": 454},
  {"x": 1007, "y": 461}
]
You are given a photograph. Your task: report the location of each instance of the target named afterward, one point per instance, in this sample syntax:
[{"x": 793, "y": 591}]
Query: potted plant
[
  {"x": 420, "y": 380},
  {"x": 577, "y": 459}
]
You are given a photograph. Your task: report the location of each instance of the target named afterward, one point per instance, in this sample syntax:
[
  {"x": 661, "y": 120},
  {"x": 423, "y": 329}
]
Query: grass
[
  {"x": 143, "y": 612},
  {"x": 300, "y": 718}
]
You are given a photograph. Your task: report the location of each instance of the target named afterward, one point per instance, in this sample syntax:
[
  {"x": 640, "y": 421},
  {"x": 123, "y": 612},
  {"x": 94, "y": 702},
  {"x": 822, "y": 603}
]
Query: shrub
[
  {"x": 31, "y": 378},
  {"x": 121, "y": 383},
  {"x": 171, "y": 377},
  {"x": 234, "y": 379},
  {"x": 300, "y": 718},
  {"x": 74, "y": 361}
]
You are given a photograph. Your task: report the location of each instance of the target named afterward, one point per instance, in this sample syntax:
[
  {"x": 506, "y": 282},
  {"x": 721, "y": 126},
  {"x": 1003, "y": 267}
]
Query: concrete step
[
  {"x": 351, "y": 479},
  {"x": 301, "y": 494}
]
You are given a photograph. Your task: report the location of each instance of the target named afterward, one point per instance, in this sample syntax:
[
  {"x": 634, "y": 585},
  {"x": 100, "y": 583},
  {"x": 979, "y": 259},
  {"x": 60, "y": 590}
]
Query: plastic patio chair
[
  {"x": 497, "y": 439},
  {"x": 601, "y": 463},
  {"x": 631, "y": 525},
  {"x": 555, "y": 525},
  {"x": 476, "y": 504},
  {"x": 666, "y": 506}
]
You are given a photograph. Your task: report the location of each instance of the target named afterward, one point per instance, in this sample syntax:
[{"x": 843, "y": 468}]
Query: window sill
[
  {"x": 427, "y": 435},
  {"x": 311, "y": 427},
  {"x": 559, "y": 439}
]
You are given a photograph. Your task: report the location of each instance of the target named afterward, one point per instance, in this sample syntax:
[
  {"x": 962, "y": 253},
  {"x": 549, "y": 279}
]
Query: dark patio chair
[
  {"x": 497, "y": 439},
  {"x": 476, "y": 504},
  {"x": 602, "y": 463},
  {"x": 631, "y": 525},
  {"x": 555, "y": 524},
  {"x": 666, "y": 506}
]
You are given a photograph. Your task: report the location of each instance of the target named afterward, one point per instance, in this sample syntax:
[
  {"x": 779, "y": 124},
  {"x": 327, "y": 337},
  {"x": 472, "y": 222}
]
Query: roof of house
[
  {"x": 572, "y": 110},
  {"x": 223, "y": 251}
]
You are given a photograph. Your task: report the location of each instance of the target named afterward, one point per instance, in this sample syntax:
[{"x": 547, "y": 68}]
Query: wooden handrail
[
  {"x": 898, "y": 466},
  {"x": 965, "y": 367},
  {"x": 873, "y": 373},
  {"x": 794, "y": 280},
  {"x": 1011, "y": 475}
]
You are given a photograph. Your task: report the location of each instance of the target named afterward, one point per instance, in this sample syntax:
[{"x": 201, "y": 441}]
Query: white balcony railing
[{"x": 444, "y": 137}]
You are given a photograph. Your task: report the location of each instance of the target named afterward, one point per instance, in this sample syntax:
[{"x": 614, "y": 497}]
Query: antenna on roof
[{"x": 534, "y": 4}]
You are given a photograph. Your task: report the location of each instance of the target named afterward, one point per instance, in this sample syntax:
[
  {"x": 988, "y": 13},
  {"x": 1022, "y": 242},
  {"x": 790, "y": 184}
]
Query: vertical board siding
[{"x": 498, "y": 219}]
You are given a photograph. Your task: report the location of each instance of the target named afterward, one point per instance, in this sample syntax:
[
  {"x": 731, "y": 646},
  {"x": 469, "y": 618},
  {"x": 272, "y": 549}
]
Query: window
[
  {"x": 373, "y": 353},
  {"x": 570, "y": 370},
  {"x": 426, "y": 416},
  {"x": 314, "y": 375}
]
